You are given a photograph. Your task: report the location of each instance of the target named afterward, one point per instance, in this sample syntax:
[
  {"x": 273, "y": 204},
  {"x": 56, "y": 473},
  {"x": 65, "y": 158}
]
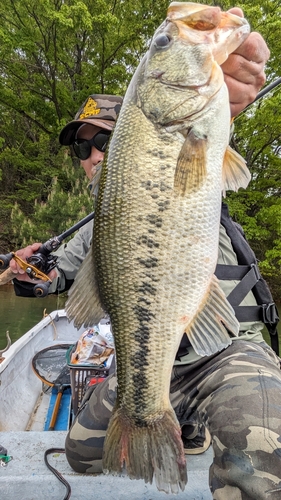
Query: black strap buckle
[
  {"x": 256, "y": 271},
  {"x": 269, "y": 314}
]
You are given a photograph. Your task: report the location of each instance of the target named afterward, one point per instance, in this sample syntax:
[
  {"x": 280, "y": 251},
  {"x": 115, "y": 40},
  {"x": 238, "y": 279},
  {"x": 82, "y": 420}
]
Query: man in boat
[
  {"x": 88, "y": 135},
  {"x": 233, "y": 398}
]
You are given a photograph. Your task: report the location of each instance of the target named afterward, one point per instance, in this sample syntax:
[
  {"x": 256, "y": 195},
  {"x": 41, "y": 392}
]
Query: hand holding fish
[{"x": 244, "y": 70}]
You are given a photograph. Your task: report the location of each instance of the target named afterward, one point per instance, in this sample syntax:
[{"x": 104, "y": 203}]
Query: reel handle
[
  {"x": 5, "y": 260},
  {"x": 41, "y": 289}
]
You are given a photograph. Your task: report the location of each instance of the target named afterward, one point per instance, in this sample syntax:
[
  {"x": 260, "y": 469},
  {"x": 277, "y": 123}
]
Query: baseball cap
[{"x": 98, "y": 109}]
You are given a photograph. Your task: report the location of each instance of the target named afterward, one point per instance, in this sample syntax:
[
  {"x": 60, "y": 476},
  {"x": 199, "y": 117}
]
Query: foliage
[
  {"x": 257, "y": 138},
  {"x": 67, "y": 202},
  {"x": 54, "y": 53}
]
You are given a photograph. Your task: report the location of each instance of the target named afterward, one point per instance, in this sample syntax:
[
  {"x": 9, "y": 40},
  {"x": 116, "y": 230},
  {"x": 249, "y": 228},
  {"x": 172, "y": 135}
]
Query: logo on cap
[{"x": 90, "y": 109}]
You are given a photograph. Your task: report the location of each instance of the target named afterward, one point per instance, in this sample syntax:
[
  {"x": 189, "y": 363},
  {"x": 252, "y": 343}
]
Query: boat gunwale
[{"x": 30, "y": 334}]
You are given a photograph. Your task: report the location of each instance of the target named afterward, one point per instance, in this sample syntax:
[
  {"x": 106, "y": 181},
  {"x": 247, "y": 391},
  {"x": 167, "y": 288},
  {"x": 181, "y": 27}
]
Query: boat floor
[
  {"x": 27, "y": 477},
  {"x": 42, "y": 412}
]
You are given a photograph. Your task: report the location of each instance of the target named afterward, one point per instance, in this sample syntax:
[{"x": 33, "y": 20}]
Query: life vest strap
[
  {"x": 267, "y": 313},
  {"x": 231, "y": 272},
  {"x": 248, "y": 276}
]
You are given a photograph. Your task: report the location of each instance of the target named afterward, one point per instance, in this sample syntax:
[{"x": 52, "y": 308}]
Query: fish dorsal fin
[
  {"x": 191, "y": 165},
  {"x": 208, "y": 332},
  {"x": 235, "y": 171},
  {"x": 84, "y": 304}
]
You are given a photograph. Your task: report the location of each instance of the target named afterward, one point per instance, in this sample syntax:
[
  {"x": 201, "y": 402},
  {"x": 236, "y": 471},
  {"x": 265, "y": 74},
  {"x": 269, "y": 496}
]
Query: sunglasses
[{"x": 83, "y": 147}]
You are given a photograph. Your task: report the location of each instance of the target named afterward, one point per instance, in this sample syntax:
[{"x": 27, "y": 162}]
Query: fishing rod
[
  {"x": 39, "y": 265},
  {"x": 42, "y": 262},
  {"x": 263, "y": 92},
  {"x": 268, "y": 88}
]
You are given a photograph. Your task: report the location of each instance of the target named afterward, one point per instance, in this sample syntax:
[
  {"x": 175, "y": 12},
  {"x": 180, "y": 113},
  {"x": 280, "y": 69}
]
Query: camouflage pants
[{"x": 235, "y": 394}]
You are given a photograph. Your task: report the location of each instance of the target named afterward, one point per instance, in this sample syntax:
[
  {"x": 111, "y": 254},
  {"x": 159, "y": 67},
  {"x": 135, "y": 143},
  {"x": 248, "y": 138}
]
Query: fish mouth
[
  {"x": 195, "y": 16},
  {"x": 202, "y": 17},
  {"x": 209, "y": 25}
]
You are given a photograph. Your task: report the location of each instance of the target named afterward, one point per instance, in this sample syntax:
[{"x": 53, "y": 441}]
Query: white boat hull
[
  {"x": 20, "y": 388},
  {"x": 26, "y": 476}
]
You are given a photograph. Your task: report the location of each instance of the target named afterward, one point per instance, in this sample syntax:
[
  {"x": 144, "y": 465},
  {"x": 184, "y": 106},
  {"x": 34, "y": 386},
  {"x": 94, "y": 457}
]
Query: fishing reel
[{"x": 39, "y": 265}]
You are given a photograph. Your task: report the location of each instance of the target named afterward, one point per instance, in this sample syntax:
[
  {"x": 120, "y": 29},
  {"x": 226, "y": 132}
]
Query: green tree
[
  {"x": 53, "y": 54},
  {"x": 61, "y": 210},
  {"x": 257, "y": 138}
]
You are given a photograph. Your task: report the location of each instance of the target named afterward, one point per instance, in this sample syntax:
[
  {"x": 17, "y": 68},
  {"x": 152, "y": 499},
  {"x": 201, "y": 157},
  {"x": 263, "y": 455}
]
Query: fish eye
[{"x": 162, "y": 41}]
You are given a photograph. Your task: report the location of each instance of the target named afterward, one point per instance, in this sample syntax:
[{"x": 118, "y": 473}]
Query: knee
[{"x": 83, "y": 449}]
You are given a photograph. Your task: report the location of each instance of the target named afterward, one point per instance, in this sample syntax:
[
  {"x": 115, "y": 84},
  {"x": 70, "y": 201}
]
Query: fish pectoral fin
[
  {"x": 84, "y": 304},
  {"x": 235, "y": 171},
  {"x": 191, "y": 165},
  {"x": 209, "y": 331}
]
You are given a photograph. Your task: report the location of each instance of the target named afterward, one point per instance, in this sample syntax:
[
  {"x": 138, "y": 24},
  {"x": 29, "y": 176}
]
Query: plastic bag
[{"x": 92, "y": 348}]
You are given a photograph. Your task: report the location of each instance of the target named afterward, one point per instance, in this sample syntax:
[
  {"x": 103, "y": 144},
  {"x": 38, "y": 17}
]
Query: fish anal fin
[
  {"x": 162, "y": 458},
  {"x": 211, "y": 329},
  {"x": 235, "y": 171},
  {"x": 84, "y": 305},
  {"x": 191, "y": 165}
]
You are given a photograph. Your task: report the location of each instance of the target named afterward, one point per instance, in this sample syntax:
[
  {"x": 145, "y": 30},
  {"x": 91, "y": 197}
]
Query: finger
[
  {"x": 35, "y": 246},
  {"x": 236, "y": 11},
  {"x": 52, "y": 275},
  {"x": 23, "y": 253},
  {"x": 14, "y": 267},
  {"x": 254, "y": 49},
  {"x": 242, "y": 70}
]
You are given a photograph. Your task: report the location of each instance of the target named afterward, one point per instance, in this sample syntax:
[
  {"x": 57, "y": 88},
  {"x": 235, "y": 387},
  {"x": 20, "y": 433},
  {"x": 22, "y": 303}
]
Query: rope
[
  {"x": 45, "y": 315},
  {"x": 56, "y": 472}
]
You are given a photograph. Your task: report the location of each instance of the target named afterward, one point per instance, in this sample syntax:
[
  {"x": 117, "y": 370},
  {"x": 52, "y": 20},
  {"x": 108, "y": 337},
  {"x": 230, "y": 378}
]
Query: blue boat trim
[{"x": 63, "y": 418}]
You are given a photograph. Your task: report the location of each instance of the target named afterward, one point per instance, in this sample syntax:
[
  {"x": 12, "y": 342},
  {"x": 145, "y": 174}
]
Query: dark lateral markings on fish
[
  {"x": 150, "y": 262},
  {"x": 147, "y": 288},
  {"x": 145, "y": 240},
  {"x": 163, "y": 205},
  {"x": 141, "y": 360},
  {"x": 155, "y": 220}
]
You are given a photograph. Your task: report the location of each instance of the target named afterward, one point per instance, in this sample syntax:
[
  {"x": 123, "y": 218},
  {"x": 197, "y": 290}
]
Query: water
[{"x": 19, "y": 314}]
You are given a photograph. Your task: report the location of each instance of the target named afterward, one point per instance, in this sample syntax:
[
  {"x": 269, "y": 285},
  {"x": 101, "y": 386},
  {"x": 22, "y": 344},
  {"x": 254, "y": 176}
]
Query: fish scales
[
  {"x": 156, "y": 234},
  {"x": 135, "y": 273},
  {"x": 154, "y": 250}
]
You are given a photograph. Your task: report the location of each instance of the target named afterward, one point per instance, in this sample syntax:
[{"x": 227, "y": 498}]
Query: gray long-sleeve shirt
[{"x": 70, "y": 257}]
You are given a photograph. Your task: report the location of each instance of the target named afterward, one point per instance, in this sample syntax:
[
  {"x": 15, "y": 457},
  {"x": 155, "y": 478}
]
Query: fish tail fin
[
  {"x": 209, "y": 331},
  {"x": 151, "y": 451},
  {"x": 84, "y": 304}
]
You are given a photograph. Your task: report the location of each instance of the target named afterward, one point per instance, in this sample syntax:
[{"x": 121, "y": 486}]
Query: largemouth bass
[{"x": 156, "y": 231}]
